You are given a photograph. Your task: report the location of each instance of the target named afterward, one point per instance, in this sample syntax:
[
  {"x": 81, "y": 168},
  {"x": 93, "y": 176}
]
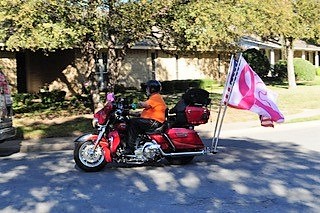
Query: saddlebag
[
  {"x": 197, "y": 115},
  {"x": 185, "y": 139}
]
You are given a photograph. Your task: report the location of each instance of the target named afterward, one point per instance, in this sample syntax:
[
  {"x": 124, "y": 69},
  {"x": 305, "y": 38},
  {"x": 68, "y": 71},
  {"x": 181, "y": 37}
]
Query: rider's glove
[{"x": 133, "y": 106}]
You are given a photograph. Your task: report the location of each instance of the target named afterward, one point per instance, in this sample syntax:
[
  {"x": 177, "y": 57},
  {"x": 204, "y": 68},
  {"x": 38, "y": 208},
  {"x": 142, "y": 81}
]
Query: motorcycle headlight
[{"x": 94, "y": 122}]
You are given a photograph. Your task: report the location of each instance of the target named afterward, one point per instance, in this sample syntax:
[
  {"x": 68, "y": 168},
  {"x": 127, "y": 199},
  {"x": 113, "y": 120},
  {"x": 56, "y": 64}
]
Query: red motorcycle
[{"x": 177, "y": 142}]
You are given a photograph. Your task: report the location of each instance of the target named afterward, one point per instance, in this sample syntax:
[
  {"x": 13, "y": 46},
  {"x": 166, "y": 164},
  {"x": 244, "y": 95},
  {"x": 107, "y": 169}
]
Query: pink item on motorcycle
[{"x": 110, "y": 97}]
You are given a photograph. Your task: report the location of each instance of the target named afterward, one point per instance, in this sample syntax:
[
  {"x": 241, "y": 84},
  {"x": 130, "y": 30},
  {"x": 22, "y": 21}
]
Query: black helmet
[{"x": 153, "y": 86}]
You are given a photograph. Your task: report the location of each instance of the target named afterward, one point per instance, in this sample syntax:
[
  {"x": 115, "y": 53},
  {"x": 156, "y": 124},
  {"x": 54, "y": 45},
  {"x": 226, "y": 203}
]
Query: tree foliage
[
  {"x": 35, "y": 24},
  {"x": 90, "y": 25},
  {"x": 287, "y": 21},
  {"x": 201, "y": 25},
  {"x": 182, "y": 25}
]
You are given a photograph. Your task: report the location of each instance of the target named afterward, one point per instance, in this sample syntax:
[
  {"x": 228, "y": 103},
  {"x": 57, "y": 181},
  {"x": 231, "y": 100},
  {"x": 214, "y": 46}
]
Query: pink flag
[{"x": 250, "y": 93}]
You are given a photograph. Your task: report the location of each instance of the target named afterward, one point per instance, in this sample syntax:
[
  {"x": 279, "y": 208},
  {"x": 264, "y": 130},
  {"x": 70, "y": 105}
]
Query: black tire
[
  {"x": 179, "y": 160},
  {"x": 89, "y": 162}
]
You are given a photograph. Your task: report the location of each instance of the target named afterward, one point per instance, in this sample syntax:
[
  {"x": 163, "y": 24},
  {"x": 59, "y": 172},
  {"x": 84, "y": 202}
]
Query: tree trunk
[
  {"x": 112, "y": 68},
  {"x": 115, "y": 58},
  {"x": 290, "y": 67},
  {"x": 90, "y": 84}
]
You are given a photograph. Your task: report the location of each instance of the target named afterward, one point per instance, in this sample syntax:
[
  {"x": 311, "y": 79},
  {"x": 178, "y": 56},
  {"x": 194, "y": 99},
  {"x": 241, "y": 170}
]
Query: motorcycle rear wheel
[
  {"x": 179, "y": 160},
  {"x": 87, "y": 158}
]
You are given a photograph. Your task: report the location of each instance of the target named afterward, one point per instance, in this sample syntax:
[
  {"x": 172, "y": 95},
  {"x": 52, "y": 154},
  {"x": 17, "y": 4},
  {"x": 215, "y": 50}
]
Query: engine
[{"x": 148, "y": 151}]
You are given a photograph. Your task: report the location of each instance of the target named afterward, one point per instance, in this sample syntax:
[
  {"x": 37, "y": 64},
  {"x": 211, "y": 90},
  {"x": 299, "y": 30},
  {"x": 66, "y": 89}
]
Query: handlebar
[{"x": 124, "y": 104}]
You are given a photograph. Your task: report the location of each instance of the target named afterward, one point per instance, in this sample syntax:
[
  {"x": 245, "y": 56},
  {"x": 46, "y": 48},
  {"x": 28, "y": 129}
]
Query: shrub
[
  {"x": 119, "y": 88},
  {"x": 177, "y": 86},
  {"x": 280, "y": 70},
  {"x": 208, "y": 84},
  {"x": 52, "y": 97},
  {"x": 23, "y": 98},
  {"x": 258, "y": 62},
  {"x": 318, "y": 71},
  {"x": 304, "y": 70},
  {"x": 28, "y": 102},
  {"x": 167, "y": 86}
]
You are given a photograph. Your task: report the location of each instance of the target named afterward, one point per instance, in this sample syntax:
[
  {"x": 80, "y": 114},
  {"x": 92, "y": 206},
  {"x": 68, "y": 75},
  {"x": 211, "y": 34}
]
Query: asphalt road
[{"x": 255, "y": 170}]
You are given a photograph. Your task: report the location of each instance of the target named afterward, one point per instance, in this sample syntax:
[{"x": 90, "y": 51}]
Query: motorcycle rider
[{"x": 152, "y": 116}]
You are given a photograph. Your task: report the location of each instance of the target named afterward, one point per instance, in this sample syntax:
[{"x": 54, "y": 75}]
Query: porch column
[
  {"x": 177, "y": 67},
  {"x": 316, "y": 59},
  {"x": 303, "y": 54},
  {"x": 272, "y": 58}
]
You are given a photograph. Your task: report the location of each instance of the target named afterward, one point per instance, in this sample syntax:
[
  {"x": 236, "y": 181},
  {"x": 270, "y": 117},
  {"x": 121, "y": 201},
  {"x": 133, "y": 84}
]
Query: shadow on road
[{"x": 244, "y": 176}]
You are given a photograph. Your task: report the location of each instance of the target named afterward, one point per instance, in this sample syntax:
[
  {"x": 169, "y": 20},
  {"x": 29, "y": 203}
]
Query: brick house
[{"x": 30, "y": 71}]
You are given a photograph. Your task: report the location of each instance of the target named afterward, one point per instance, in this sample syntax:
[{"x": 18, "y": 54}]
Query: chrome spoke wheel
[{"x": 88, "y": 158}]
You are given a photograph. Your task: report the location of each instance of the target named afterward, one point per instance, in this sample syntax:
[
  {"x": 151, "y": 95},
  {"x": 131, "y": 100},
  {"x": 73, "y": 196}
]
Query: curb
[
  {"x": 205, "y": 131},
  {"x": 57, "y": 144},
  {"x": 36, "y": 145}
]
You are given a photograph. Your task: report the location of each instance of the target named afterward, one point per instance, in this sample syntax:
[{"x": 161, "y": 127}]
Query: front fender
[
  {"x": 103, "y": 142},
  {"x": 86, "y": 137},
  {"x": 114, "y": 139}
]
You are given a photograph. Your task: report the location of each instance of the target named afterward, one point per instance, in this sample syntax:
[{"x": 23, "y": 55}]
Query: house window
[{"x": 153, "y": 62}]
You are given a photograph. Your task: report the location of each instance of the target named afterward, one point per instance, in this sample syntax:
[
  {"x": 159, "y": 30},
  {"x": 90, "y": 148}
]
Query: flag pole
[
  {"x": 218, "y": 126},
  {"x": 220, "y": 120},
  {"x": 217, "y": 129}
]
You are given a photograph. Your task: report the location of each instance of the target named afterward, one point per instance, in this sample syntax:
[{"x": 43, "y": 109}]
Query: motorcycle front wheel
[{"x": 87, "y": 158}]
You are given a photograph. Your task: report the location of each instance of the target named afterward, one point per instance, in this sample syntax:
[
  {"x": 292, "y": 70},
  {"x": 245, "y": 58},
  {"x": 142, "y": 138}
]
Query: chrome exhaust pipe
[{"x": 185, "y": 154}]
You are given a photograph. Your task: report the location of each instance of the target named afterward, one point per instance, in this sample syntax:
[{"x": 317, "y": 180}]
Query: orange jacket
[{"x": 157, "y": 108}]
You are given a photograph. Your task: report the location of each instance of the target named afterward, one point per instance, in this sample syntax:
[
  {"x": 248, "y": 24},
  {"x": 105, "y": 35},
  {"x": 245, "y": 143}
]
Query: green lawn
[{"x": 290, "y": 102}]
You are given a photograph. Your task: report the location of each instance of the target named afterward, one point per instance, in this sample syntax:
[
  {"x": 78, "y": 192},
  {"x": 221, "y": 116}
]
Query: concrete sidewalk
[
  {"x": 36, "y": 145},
  {"x": 207, "y": 130},
  {"x": 67, "y": 143}
]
